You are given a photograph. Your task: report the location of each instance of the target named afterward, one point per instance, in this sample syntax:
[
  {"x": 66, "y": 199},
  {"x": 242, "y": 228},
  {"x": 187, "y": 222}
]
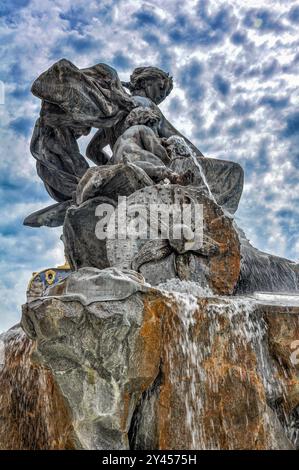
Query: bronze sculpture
[{"x": 146, "y": 151}]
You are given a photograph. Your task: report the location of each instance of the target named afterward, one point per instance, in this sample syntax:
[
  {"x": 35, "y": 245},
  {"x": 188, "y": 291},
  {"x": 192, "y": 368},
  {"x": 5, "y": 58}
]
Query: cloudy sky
[{"x": 235, "y": 68}]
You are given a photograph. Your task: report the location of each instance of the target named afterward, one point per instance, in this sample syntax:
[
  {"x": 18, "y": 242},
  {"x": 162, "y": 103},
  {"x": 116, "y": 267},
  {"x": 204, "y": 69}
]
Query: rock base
[{"x": 170, "y": 371}]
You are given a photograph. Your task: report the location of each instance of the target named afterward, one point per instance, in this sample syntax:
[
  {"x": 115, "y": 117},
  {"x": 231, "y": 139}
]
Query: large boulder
[
  {"x": 223, "y": 383},
  {"x": 159, "y": 370},
  {"x": 214, "y": 262},
  {"x": 103, "y": 354}
]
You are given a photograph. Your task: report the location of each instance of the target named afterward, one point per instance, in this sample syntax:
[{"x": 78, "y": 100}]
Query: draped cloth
[
  {"x": 73, "y": 101},
  {"x": 93, "y": 96}
]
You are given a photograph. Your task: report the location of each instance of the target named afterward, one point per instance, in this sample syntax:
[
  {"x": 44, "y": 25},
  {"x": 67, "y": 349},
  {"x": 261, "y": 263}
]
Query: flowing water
[
  {"x": 205, "y": 181},
  {"x": 215, "y": 351},
  {"x": 32, "y": 414},
  {"x": 203, "y": 176},
  {"x": 186, "y": 348},
  {"x": 234, "y": 335}
]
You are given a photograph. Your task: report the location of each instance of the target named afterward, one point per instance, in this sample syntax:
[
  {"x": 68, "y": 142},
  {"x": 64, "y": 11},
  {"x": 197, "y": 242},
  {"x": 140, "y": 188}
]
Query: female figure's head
[{"x": 150, "y": 82}]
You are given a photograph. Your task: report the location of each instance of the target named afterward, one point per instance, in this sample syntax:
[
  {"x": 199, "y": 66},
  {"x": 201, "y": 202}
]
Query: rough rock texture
[
  {"x": 215, "y": 263},
  {"x": 51, "y": 216},
  {"x": 82, "y": 247},
  {"x": 168, "y": 371},
  {"x": 111, "y": 181},
  {"x": 103, "y": 357},
  {"x": 283, "y": 334},
  {"x": 33, "y": 413},
  {"x": 221, "y": 386}
]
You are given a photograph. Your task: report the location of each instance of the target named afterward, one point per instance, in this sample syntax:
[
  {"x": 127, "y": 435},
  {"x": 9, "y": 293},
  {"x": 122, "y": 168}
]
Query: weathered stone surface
[
  {"x": 264, "y": 272},
  {"x": 74, "y": 100},
  {"x": 91, "y": 97},
  {"x": 215, "y": 263},
  {"x": 58, "y": 160},
  {"x": 283, "y": 334},
  {"x": 82, "y": 247},
  {"x": 140, "y": 144},
  {"x": 103, "y": 356},
  {"x": 89, "y": 285},
  {"x": 219, "y": 386},
  {"x": 224, "y": 180},
  {"x": 111, "y": 181},
  {"x": 259, "y": 271},
  {"x": 33, "y": 413},
  {"x": 166, "y": 371},
  {"x": 51, "y": 216}
]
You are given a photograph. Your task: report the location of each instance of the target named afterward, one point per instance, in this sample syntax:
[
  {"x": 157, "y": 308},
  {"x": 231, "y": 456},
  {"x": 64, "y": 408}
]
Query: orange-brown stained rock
[
  {"x": 33, "y": 412},
  {"x": 228, "y": 382},
  {"x": 235, "y": 413},
  {"x": 283, "y": 337},
  {"x": 224, "y": 268},
  {"x": 223, "y": 265},
  {"x": 150, "y": 339},
  {"x": 172, "y": 432},
  {"x": 217, "y": 259},
  {"x": 147, "y": 353}
]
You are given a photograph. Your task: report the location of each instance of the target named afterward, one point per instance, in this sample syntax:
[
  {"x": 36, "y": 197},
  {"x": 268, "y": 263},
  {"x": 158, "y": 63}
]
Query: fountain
[{"x": 166, "y": 329}]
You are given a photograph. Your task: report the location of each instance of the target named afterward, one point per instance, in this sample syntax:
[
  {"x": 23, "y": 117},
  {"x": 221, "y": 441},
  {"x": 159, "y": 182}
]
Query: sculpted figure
[
  {"x": 146, "y": 149},
  {"x": 182, "y": 159},
  {"x": 139, "y": 159},
  {"x": 58, "y": 160},
  {"x": 139, "y": 144},
  {"x": 74, "y": 100},
  {"x": 149, "y": 86}
]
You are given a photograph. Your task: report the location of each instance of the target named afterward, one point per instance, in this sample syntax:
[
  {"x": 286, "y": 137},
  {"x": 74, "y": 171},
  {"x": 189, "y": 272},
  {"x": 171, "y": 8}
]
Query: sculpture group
[
  {"x": 122, "y": 358},
  {"x": 137, "y": 153}
]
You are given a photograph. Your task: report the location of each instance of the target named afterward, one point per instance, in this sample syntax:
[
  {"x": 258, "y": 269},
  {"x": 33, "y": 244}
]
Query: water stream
[
  {"x": 203, "y": 176},
  {"x": 215, "y": 348},
  {"x": 32, "y": 414},
  {"x": 238, "y": 331}
]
